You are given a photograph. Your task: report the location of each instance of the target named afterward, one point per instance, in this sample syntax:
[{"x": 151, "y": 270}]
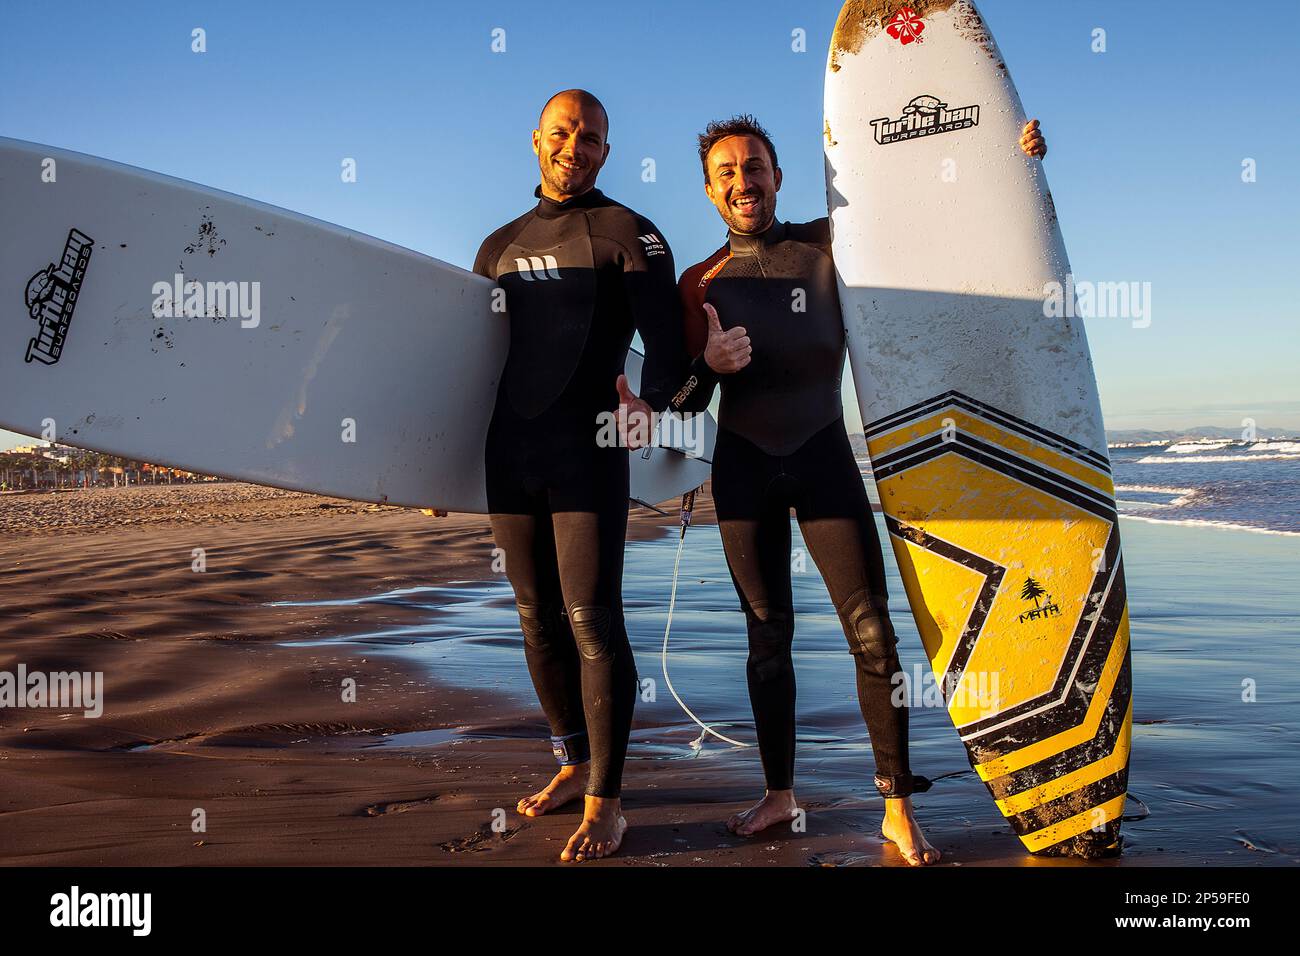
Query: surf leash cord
[{"x": 688, "y": 504}]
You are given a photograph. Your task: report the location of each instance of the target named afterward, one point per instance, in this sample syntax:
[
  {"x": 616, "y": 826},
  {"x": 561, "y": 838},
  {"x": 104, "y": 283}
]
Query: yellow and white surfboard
[{"x": 983, "y": 423}]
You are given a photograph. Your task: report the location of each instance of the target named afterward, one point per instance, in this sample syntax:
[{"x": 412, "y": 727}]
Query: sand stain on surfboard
[{"x": 861, "y": 20}]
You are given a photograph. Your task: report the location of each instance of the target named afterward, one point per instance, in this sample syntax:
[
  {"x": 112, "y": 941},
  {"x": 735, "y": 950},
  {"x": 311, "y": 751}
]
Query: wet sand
[{"x": 209, "y": 708}]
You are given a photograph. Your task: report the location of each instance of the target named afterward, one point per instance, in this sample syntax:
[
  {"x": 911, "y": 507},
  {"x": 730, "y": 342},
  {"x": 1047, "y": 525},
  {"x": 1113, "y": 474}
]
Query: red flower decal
[{"x": 906, "y": 26}]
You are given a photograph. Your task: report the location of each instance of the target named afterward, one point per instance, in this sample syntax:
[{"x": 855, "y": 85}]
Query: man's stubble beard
[
  {"x": 581, "y": 186},
  {"x": 767, "y": 207}
]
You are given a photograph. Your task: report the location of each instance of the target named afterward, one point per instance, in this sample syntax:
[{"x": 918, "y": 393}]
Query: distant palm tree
[{"x": 1032, "y": 591}]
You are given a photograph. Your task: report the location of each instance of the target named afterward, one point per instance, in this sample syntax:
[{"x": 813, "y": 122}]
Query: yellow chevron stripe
[
  {"x": 1084, "y": 731},
  {"x": 1078, "y": 779},
  {"x": 1018, "y": 526},
  {"x": 941, "y": 629},
  {"x": 996, "y": 435},
  {"x": 1073, "y": 826}
]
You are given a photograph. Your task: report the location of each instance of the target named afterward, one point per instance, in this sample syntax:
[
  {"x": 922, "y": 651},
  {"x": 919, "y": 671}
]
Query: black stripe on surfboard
[
  {"x": 1006, "y": 420},
  {"x": 1110, "y": 731},
  {"x": 1001, "y": 461},
  {"x": 981, "y": 410},
  {"x": 1088, "y": 844},
  {"x": 1070, "y": 804},
  {"x": 893, "y": 462},
  {"x": 993, "y": 574},
  {"x": 1058, "y": 708}
]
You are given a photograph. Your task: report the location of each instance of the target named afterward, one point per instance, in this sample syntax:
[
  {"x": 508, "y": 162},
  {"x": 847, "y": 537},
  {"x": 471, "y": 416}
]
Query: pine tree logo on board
[{"x": 1033, "y": 591}]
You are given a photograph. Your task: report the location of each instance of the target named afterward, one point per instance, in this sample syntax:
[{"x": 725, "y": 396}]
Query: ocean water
[
  {"x": 1254, "y": 485},
  {"x": 1215, "y": 638}
]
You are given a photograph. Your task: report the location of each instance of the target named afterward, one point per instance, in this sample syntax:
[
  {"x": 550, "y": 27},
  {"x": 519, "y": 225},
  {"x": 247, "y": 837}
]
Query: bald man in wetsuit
[
  {"x": 782, "y": 444},
  {"x": 580, "y": 273}
]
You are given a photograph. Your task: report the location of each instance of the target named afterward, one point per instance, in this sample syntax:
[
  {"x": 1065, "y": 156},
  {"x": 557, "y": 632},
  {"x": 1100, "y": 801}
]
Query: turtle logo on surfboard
[
  {"x": 51, "y": 296},
  {"x": 925, "y": 115}
]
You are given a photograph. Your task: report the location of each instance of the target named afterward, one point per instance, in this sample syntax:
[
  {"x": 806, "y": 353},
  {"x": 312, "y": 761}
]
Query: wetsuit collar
[
  {"x": 751, "y": 245},
  {"x": 550, "y": 209}
]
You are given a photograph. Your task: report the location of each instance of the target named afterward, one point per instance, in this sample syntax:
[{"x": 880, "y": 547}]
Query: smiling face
[
  {"x": 570, "y": 145},
  {"x": 743, "y": 183}
]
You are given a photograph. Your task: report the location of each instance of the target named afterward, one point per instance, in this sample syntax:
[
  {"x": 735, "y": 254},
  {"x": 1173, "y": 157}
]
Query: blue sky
[{"x": 1146, "y": 139}]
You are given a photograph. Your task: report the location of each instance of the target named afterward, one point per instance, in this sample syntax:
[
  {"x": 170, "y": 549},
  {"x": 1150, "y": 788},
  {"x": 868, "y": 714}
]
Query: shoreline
[{"x": 211, "y": 709}]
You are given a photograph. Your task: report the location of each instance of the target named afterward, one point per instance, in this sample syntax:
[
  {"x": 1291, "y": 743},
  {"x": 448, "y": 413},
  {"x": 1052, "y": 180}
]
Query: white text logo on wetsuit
[
  {"x": 103, "y": 909},
  {"x": 539, "y": 268},
  {"x": 654, "y": 246}
]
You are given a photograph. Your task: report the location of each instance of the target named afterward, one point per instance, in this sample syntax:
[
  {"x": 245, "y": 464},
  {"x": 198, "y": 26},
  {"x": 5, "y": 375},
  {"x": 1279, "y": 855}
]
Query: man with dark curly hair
[{"x": 764, "y": 312}]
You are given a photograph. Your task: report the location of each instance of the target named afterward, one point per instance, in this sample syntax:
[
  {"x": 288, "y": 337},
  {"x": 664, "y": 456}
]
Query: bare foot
[
  {"x": 900, "y": 828},
  {"x": 565, "y": 786},
  {"x": 601, "y": 833},
  {"x": 777, "y": 806}
]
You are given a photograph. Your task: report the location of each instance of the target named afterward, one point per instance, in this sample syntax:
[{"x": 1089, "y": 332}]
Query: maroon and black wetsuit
[{"x": 782, "y": 444}]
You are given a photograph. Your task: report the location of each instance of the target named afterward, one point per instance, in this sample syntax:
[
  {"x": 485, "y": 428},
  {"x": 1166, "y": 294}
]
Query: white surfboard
[
  {"x": 981, "y": 411},
  {"x": 155, "y": 319}
]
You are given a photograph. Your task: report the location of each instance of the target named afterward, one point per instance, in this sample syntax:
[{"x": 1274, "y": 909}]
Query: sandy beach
[{"x": 209, "y": 706}]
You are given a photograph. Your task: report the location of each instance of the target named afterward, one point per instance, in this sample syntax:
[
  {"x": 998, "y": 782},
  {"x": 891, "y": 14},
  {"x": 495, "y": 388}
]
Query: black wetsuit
[
  {"x": 782, "y": 444},
  {"x": 579, "y": 277}
]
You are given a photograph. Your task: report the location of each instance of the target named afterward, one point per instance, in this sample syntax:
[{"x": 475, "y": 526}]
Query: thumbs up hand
[
  {"x": 727, "y": 351},
  {"x": 634, "y": 416}
]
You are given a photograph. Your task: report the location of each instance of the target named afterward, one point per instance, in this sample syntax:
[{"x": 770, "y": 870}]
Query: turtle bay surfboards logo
[
  {"x": 1033, "y": 591},
  {"x": 925, "y": 116},
  {"x": 51, "y": 296}
]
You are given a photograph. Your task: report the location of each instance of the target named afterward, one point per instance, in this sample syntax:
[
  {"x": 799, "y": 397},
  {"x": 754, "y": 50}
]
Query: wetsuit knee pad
[
  {"x": 590, "y": 623},
  {"x": 541, "y": 625},
  {"x": 870, "y": 633},
  {"x": 771, "y": 632}
]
